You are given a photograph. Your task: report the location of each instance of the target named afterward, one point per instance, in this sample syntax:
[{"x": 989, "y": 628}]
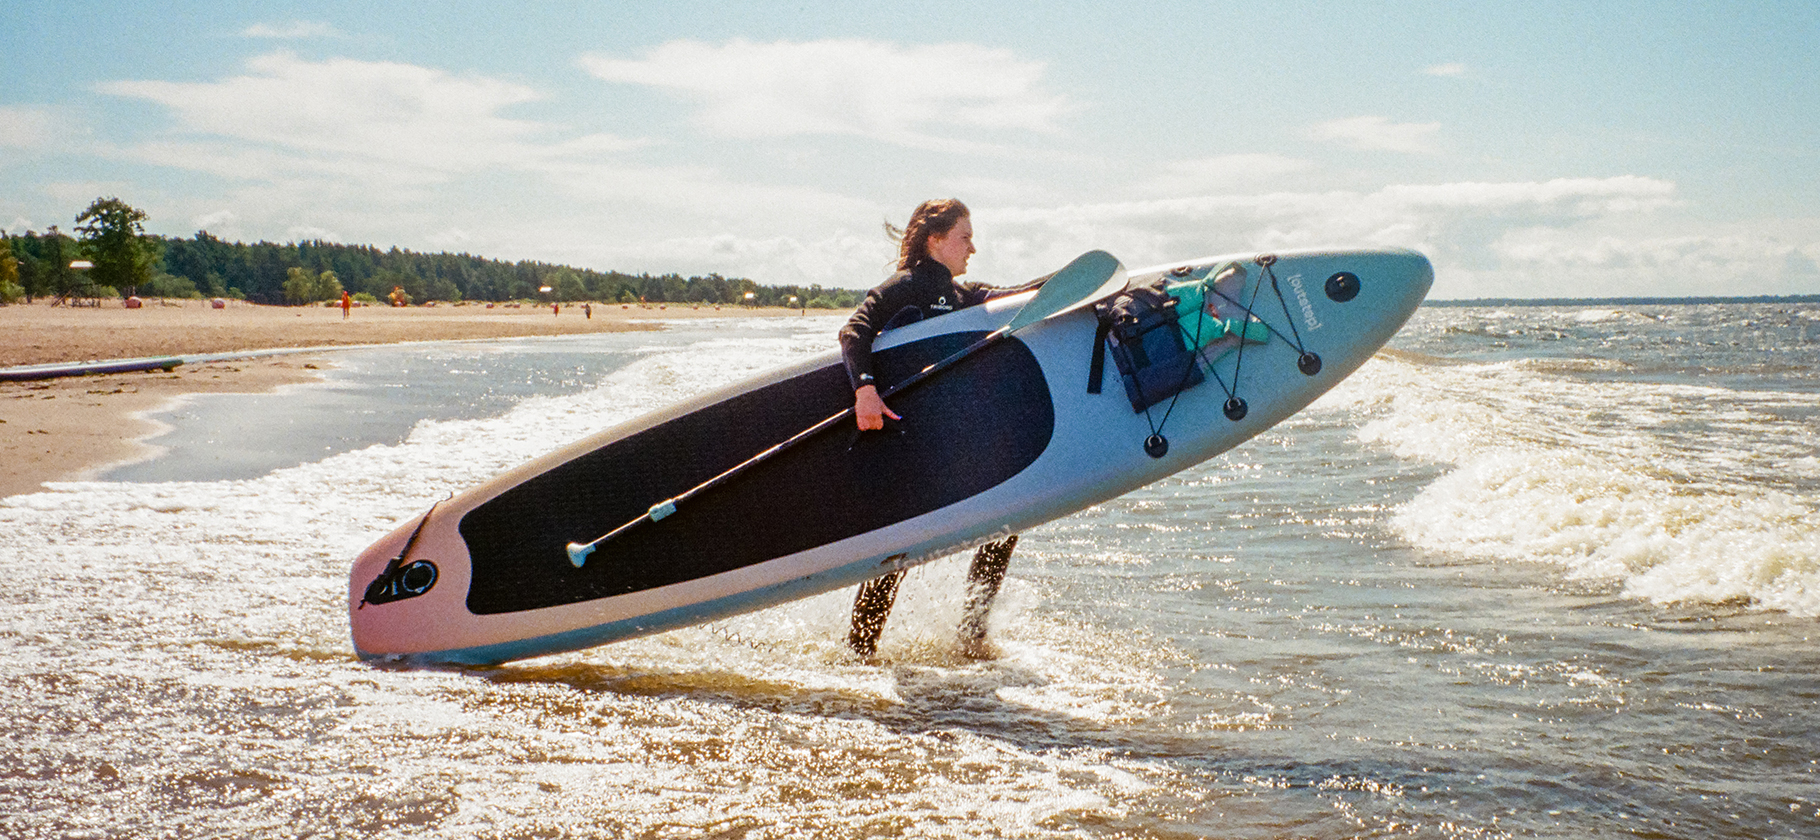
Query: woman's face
[{"x": 954, "y": 247}]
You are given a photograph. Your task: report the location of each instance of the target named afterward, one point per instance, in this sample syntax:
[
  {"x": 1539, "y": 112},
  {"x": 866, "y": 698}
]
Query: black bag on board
[{"x": 1139, "y": 326}]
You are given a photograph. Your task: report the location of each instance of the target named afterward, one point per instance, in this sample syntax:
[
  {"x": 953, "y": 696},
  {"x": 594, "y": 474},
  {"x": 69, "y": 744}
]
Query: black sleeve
[{"x": 857, "y": 336}]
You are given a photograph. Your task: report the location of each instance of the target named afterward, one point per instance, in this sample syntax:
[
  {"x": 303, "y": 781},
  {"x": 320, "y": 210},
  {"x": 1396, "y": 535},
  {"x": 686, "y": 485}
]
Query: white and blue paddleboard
[
  {"x": 1005, "y": 440},
  {"x": 24, "y": 373}
]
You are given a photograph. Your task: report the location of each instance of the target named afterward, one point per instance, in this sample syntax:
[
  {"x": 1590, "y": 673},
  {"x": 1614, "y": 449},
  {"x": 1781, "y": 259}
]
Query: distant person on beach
[
  {"x": 347, "y": 304},
  {"x": 933, "y": 251}
]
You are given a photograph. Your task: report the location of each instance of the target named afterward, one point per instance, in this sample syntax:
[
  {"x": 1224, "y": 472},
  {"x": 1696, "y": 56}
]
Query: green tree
[
  {"x": 172, "y": 286},
  {"x": 55, "y": 276},
  {"x": 115, "y": 241},
  {"x": 441, "y": 288},
  {"x": 567, "y": 285},
  {"x": 10, "y": 290},
  {"x": 299, "y": 286},
  {"x": 27, "y": 264},
  {"x": 328, "y": 286}
]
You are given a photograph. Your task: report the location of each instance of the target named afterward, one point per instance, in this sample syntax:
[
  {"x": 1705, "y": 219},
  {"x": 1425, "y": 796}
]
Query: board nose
[{"x": 1408, "y": 273}]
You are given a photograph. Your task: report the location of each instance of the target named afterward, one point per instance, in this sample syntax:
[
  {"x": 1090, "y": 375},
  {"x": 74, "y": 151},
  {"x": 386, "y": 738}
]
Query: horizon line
[{"x": 1625, "y": 301}]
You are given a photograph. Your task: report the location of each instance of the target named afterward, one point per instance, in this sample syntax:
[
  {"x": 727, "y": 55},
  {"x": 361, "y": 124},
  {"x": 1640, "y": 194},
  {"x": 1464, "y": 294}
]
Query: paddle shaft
[
  {"x": 832, "y": 421},
  {"x": 1089, "y": 277}
]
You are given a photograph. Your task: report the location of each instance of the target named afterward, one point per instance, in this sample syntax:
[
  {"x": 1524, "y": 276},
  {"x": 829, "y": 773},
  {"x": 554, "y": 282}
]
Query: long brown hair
[{"x": 935, "y": 217}]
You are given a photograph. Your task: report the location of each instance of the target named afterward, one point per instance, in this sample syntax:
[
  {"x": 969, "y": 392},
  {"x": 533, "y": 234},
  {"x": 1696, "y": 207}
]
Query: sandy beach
[{"x": 73, "y": 428}]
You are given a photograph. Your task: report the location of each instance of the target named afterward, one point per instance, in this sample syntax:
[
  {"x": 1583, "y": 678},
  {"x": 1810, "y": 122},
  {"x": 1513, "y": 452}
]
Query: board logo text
[{"x": 1301, "y": 297}]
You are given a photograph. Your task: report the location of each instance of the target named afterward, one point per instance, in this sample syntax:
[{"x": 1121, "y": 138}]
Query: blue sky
[{"x": 1530, "y": 149}]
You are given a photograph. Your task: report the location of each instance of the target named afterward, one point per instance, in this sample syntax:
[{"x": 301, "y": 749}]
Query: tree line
[{"x": 123, "y": 260}]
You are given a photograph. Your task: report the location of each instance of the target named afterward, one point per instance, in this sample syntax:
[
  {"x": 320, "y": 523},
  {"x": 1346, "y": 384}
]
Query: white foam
[
  {"x": 1604, "y": 315},
  {"x": 1681, "y": 493},
  {"x": 265, "y": 560}
]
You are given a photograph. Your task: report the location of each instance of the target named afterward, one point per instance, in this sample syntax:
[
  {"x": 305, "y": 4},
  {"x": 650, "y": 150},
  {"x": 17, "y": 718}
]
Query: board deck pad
[{"x": 961, "y": 435}]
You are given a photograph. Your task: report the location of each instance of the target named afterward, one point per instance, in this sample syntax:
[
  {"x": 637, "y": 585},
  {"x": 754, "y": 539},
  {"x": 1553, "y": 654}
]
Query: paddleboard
[
  {"x": 1005, "y": 440},
  {"x": 54, "y": 370}
]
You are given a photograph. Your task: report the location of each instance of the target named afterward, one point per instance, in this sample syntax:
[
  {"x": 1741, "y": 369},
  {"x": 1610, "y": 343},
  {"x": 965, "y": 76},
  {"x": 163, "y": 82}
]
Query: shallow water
[
  {"x": 375, "y": 395},
  {"x": 1538, "y": 572}
]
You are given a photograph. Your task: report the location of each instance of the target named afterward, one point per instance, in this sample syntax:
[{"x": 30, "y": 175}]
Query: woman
[{"x": 933, "y": 251}]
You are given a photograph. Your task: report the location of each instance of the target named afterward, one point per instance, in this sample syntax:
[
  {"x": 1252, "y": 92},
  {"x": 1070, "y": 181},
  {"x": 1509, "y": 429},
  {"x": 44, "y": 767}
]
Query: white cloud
[
  {"x": 401, "y": 154},
  {"x": 214, "y": 222},
  {"x": 1462, "y": 226},
  {"x": 343, "y": 110},
  {"x": 29, "y": 128},
  {"x": 898, "y": 94},
  {"x": 1379, "y": 134},
  {"x": 978, "y": 188},
  {"x": 304, "y": 233},
  {"x": 291, "y": 30},
  {"x": 393, "y": 153},
  {"x": 1452, "y": 69},
  {"x": 389, "y": 121},
  {"x": 1652, "y": 263},
  {"x": 1577, "y": 196},
  {"x": 450, "y": 239},
  {"x": 1222, "y": 172},
  {"x": 79, "y": 194},
  {"x": 843, "y": 258}
]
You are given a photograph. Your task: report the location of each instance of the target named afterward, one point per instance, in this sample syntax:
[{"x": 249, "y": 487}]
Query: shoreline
[
  {"x": 77, "y": 427},
  {"x": 39, "y": 333},
  {"x": 74, "y": 428}
]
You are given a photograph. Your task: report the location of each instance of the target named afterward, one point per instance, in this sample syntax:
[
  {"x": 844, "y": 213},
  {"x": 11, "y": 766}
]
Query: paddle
[{"x": 1088, "y": 278}]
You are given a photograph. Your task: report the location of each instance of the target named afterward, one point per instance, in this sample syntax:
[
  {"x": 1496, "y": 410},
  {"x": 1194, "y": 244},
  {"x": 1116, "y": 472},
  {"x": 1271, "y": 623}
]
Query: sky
[{"x": 1534, "y": 149}]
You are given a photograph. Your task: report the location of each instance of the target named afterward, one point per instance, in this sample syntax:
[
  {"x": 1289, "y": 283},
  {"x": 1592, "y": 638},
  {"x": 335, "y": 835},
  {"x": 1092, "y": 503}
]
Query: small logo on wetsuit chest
[{"x": 941, "y": 304}]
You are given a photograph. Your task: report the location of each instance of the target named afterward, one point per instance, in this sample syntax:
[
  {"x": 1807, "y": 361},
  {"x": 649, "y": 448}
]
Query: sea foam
[{"x": 1664, "y": 489}]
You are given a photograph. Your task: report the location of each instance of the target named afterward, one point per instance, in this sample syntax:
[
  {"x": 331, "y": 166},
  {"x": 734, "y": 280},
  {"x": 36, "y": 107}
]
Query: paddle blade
[{"x": 1091, "y": 277}]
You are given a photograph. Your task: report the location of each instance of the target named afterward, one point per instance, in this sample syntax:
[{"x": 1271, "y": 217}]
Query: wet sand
[{"x": 75, "y": 427}]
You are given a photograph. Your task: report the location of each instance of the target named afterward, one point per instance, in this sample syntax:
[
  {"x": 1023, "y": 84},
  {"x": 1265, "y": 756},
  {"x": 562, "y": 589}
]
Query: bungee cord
[{"x": 1235, "y": 408}]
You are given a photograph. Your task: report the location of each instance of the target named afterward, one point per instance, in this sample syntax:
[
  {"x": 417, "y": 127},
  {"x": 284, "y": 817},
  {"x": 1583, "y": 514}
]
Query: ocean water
[
  {"x": 1532, "y": 572},
  {"x": 376, "y": 395}
]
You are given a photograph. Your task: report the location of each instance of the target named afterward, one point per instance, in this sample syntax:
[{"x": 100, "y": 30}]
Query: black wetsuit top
[{"x": 906, "y": 297}]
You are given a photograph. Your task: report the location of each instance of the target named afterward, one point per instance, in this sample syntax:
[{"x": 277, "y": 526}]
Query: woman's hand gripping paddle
[{"x": 1089, "y": 278}]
